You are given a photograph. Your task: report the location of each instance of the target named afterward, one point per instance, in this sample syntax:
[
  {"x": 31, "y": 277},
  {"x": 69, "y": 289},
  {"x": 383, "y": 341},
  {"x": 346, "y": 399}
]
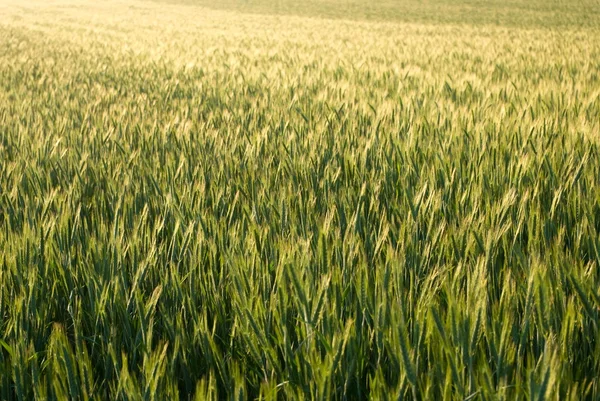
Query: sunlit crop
[{"x": 257, "y": 200}]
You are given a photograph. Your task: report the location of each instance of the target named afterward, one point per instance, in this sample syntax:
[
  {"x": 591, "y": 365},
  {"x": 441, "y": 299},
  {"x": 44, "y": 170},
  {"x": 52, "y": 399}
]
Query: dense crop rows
[{"x": 202, "y": 203}]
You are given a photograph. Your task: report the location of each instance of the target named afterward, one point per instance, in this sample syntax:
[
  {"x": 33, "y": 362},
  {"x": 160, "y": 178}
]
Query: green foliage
[{"x": 203, "y": 204}]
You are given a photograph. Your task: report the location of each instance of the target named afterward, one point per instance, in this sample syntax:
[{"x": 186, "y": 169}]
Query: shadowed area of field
[{"x": 515, "y": 13}]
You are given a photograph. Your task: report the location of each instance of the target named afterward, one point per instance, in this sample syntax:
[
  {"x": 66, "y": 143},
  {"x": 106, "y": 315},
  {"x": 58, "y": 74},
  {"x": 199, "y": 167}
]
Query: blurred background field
[{"x": 517, "y": 13}]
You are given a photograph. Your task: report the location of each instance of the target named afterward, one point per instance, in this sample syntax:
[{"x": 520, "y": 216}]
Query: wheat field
[{"x": 282, "y": 200}]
